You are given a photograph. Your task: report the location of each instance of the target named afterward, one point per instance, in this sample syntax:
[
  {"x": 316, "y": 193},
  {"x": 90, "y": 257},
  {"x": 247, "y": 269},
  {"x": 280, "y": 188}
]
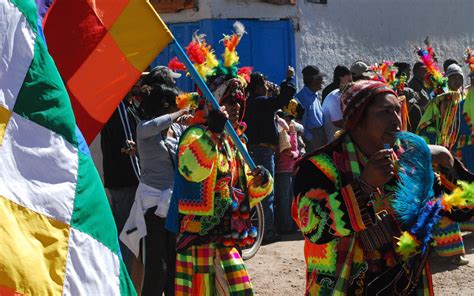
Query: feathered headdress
[
  {"x": 223, "y": 77},
  {"x": 387, "y": 73},
  {"x": 206, "y": 62},
  {"x": 434, "y": 79}
]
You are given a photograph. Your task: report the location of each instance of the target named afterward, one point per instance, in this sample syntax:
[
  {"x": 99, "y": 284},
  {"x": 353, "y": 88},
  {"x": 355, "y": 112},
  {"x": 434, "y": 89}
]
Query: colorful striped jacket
[
  {"x": 332, "y": 215},
  {"x": 213, "y": 192}
]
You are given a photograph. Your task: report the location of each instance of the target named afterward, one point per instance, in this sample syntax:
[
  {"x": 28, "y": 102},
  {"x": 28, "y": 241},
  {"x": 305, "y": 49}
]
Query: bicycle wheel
[{"x": 257, "y": 220}]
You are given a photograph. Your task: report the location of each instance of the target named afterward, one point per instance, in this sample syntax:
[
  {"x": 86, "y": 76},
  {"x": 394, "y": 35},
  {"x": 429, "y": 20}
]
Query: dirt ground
[{"x": 279, "y": 269}]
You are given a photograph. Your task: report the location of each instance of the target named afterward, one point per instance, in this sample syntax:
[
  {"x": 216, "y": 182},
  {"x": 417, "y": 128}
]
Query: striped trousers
[{"x": 211, "y": 269}]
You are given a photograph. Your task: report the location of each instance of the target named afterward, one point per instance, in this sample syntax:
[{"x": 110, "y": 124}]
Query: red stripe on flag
[{"x": 72, "y": 32}]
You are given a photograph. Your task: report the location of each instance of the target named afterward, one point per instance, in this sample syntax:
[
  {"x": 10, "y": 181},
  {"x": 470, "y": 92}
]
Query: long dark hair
[{"x": 158, "y": 99}]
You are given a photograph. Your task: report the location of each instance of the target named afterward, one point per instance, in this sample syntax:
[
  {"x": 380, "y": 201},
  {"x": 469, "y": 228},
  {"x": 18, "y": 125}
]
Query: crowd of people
[{"x": 334, "y": 163}]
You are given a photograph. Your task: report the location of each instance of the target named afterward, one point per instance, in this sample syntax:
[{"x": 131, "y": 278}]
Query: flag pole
[{"x": 208, "y": 95}]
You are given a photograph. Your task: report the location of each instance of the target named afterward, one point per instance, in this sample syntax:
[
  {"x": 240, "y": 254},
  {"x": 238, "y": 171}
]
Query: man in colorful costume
[
  {"x": 214, "y": 193},
  {"x": 353, "y": 194},
  {"x": 445, "y": 123},
  {"x": 464, "y": 148}
]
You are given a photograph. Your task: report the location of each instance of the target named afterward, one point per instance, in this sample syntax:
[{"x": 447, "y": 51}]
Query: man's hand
[
  {"x": 216, "y": 120},
  {"x": 131, "y": 148},
  {"x": 441, "y": 156},
  {"x": 290, "y": 72},
  {"x": 261, "y": 176},
  {"x": 379, "y": 169}
]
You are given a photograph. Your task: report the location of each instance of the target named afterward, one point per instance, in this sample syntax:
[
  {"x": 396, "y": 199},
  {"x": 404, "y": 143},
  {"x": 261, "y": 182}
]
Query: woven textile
[{"x": 196, "y": 271}]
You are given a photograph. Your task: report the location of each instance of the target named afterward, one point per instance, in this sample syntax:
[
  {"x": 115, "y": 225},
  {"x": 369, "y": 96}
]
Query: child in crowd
[{"x": 287, "y": 154}]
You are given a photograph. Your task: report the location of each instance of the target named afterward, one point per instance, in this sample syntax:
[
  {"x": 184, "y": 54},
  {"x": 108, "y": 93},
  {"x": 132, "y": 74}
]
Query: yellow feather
[
  {"x": 407, "y": 245},
  {"x": 230, "y": 58},
  {"x": 211, "y": 60}
]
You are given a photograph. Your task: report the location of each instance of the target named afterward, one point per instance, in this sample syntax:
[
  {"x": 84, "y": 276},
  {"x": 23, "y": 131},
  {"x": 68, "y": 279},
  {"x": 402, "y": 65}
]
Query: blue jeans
[
  {"x": 121, "y": 203},
  {"x": 283, "y": 199},
  {"x": 266, "y": 157}
]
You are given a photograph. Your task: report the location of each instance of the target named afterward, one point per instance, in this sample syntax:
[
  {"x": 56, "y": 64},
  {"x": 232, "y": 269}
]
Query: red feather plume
[
  {"x": 245, "y": 72},
  {"x": 196, "y": 53},
  {"x": 176, "y": 65}
]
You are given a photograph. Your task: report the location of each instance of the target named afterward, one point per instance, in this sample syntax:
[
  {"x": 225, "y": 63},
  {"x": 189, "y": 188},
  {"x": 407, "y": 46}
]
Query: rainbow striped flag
[
  {"x": 100, "y": 49},
  {"x": 57, "y": 233}
]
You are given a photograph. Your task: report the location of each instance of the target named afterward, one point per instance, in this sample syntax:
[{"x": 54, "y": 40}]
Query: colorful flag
[
  {"x": 57, "y": 234},
  {"x": 100, "y": 49}
]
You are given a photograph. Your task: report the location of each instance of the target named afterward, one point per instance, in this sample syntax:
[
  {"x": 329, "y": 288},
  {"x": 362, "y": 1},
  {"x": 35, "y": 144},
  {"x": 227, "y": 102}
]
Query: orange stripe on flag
[
  {"x": 95, "y": 96},
  {"x": 143, "y": 45},
  {"x": 4, "y": 291}
]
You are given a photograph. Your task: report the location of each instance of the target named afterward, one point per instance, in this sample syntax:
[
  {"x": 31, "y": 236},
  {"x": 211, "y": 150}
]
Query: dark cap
[
  {"x": 312, "y": 70},
  {"x": 161, "y": 75},
  {"x": 359, "y": 68}
]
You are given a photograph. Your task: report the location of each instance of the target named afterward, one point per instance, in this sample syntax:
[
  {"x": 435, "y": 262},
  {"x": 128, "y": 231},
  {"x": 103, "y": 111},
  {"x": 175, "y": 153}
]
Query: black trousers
[{"x": 160, "y": 257}]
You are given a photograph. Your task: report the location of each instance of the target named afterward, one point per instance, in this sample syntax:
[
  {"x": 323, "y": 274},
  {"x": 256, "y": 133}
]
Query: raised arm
[{"x": 156, "y": 125}]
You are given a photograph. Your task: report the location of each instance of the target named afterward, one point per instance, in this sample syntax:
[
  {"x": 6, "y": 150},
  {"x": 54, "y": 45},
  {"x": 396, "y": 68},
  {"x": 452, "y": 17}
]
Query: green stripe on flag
[
  {"x": 43, "y": 97},
  {"x": 126, "y": 285},
  {"x": 92, "y": 214},
  {"x": 30, "y": 11}
]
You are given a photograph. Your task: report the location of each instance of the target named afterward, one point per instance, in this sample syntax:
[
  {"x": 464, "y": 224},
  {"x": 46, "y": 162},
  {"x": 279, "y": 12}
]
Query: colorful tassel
[{"x": 404, "y": 113}]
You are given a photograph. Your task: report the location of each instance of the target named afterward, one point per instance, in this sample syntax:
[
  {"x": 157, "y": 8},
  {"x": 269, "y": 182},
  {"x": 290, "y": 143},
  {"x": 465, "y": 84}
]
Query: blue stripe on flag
[{"x": 81, "y": 143}]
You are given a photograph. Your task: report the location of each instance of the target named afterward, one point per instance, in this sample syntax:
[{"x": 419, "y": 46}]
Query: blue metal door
[{"x": 268, "y": 46}]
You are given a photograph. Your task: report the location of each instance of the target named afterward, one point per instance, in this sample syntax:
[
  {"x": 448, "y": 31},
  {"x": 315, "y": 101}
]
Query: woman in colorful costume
[
  {"x": 214, "y": 193},
  {"x": 365, "y": 202}
]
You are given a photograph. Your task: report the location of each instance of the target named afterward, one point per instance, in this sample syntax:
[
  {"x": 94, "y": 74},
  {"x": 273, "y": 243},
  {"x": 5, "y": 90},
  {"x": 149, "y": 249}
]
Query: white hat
[{"x": 454, "y": 69}]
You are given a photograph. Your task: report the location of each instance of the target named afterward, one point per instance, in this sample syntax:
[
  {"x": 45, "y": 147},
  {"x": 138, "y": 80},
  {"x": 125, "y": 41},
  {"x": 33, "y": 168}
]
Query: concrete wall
[{"x": 346, "y": 30}]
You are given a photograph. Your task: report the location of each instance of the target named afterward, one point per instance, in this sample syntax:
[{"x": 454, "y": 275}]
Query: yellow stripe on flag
[
  {"x": 33, "y": 251},
  {"x": 154, "y": 36},
  {"x": 5, "y": 115}
]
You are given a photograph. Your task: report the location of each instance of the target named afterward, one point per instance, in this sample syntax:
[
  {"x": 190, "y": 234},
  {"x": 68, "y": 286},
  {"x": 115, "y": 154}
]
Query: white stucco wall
[{"x": 346, "y": 30}]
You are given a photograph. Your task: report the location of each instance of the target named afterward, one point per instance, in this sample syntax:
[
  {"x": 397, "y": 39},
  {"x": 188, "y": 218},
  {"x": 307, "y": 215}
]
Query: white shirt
[{"x": 332, "y": 113}]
